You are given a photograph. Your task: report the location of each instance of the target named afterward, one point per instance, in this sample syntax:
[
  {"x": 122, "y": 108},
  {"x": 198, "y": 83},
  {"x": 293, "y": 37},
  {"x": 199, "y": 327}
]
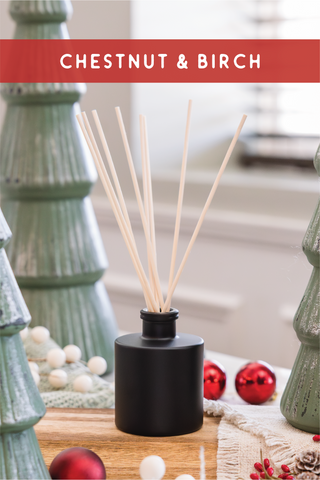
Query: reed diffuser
[{"x": 158, "y": 373}]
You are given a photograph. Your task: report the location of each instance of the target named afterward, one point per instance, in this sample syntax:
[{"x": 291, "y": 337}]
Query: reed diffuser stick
[
  {"x": 153, "y": 294},
  {"x": 150, "y": 301},
  {"x": 144, "y": 169},
  {"x": 127, "y": 234},
  {"x": 149, "y": 186},
  {"x": 150, "y": 195},
  {"x": 147, "y": 200},
  {"x": 180, "y": 198},
  {"x": 140, "y": 205},
  {"x": 204, "y": 211},
  {"x": 111, "y": 165},
  {"x": 116, "y": 201}
]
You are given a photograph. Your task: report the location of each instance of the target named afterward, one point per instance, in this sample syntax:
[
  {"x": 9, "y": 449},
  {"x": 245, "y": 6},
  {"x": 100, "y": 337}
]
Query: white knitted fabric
[
  {"x": 244, "y": 430},
  {"x": 101, "y": 395}
]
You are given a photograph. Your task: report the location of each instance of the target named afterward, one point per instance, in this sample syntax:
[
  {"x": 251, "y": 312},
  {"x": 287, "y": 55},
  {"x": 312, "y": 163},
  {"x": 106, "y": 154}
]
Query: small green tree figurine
[
  {"x": 46, "y": 175},
  {"x": 300, "y": 403},
  {"x": 21, "y": 406}
]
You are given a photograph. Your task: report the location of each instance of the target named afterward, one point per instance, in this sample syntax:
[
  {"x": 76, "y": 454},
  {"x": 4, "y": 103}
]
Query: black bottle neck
[{"x": 159, "y": 326}]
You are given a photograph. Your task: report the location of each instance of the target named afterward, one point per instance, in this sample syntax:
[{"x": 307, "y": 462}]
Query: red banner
[{"x": 160, "y": 61}]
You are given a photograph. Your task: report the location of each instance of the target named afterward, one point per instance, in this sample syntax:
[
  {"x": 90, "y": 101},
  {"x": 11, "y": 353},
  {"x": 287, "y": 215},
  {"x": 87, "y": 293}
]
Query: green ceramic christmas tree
[
  {"x": 300, "y": 402},
  {"x": 46, "y": 174},
  {"x": 21, "y": 406}
]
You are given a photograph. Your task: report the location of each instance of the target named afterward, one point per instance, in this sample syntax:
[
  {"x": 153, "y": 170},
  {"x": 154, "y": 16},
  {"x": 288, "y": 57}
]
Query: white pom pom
[
  {"x": 56, "y": 357},
  {"x": 40, "y": 334},
  {"x": 34, "y": 367},
  {"x": 185, "y": 476},
  {"x": 36, "y": 377},
  {"x": 97, "y": 365},
  {"x": 152, "y": 468},
  {"x": 73, "y": 353},
  {"x": 58, "y": 378},
  {"x": 24, "y": 333},
  {"x": 82, "y": 384}
]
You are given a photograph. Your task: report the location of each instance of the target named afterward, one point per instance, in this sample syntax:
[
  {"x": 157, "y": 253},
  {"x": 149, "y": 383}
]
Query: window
[{"x": 284, "y": 119}]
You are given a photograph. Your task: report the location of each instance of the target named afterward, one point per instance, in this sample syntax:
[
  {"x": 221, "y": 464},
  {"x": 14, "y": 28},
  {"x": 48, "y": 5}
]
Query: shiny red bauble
[
  {"x": 77, "y": 463},
  {"x": 214, "y": 380},
  {"x": 256, "y": 382}
]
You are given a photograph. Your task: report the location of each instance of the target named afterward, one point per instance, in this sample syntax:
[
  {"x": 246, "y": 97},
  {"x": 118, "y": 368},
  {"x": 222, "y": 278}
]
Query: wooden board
[{"x": 122, "y": 453}]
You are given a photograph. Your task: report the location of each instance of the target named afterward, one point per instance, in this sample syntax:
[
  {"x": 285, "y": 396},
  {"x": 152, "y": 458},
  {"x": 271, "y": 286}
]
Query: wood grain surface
[{"x": 122, "y": 453}]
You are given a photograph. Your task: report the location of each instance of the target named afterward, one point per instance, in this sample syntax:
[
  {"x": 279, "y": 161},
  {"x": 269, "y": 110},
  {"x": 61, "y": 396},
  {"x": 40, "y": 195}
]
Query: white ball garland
[
  {"x": 24, "y": 333},
  {"x": 58, "y": 378},
  {"x": 185, "y": 476},
  {"x": 152, "y": 468},
  {"x": 56, "y": 357},
  {"x": 97, "y": 365},
  {"x": 36, "y": 377},
  {"x": 34, "y": 367},
  {"x": 73, "y": 353},
  {"x": 40, "y": 334},
  {"x": 83, "y": 384}
]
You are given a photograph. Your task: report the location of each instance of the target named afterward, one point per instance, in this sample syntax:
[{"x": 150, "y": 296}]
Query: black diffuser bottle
[{"x": 159, "y": 378}]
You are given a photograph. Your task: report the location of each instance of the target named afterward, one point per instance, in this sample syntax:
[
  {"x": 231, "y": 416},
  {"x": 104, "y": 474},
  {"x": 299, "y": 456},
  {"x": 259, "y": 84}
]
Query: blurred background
[{"x": 246, "y": 274}]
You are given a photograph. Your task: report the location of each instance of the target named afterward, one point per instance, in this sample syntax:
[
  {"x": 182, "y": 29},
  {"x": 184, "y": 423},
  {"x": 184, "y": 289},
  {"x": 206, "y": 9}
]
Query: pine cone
[
  {"x": 307, "y": 476},
  {"x": 308, "y": 461}
]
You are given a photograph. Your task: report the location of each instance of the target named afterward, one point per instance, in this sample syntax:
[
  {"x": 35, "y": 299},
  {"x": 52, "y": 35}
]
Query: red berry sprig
[{"x": 265, "y": 471}]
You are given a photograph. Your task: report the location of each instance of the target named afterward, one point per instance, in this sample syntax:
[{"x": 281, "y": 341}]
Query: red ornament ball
[
  {"x": 256, "y": 382},
  {"x": 214, "y": 380},
  {"x": 77, "y": 463}
]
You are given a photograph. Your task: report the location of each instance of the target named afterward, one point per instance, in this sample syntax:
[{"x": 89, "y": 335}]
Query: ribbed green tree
[
  {"x": 46, "y": 173},
  {"x": 21, "y": 406},
  {"x": 300, "y": 403}
]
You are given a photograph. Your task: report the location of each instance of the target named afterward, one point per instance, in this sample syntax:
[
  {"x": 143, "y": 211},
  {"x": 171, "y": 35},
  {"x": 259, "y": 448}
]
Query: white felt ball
[
  {"x": 97, "y": 365},
  {"x": 82, "y": 384},
  {"x": 36, "y": 377},
  {"x": 73, "y": 353},
  {"x": 40, "y": 334},
  {"x": 185, "y": 476},
  {"x": 58, "y": 378},
  {"x": 34, "y": 367},
  {"x": 56, "y": 357},
  {"x": 152, "y": 468},
  {"x": 24, "y": 333}
]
